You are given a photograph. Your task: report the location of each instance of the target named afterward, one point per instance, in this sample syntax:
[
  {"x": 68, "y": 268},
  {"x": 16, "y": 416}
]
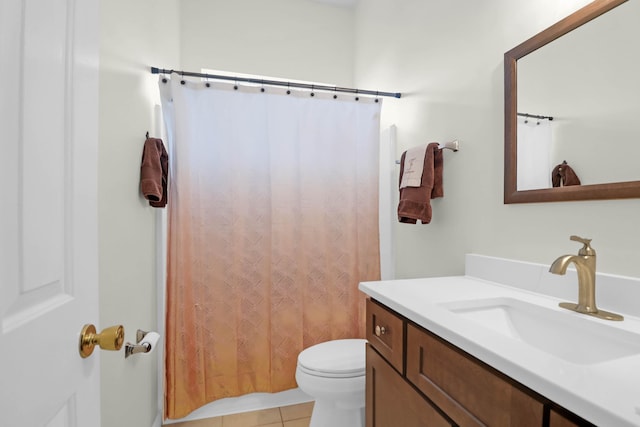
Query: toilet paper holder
[{"x": 139, "y": 347}]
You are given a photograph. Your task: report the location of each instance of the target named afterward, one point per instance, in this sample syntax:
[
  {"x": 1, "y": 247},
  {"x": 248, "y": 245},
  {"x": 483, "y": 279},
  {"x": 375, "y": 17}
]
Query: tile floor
[{"x": 285, "y": 416}]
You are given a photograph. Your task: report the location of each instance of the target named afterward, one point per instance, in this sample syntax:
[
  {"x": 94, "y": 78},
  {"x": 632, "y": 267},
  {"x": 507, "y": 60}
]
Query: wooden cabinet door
[
  {"x": 466, "y": 390},
  {"x": 558, "y": 420},
  {"x": 392, "y": 402}
]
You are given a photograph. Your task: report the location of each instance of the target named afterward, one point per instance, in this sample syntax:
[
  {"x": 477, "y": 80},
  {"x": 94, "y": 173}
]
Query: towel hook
[{"x": 147, "y": 135}]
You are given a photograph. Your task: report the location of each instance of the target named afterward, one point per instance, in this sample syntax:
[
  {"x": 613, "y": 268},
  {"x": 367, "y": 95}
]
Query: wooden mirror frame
[{"x": 616, "y": 190}]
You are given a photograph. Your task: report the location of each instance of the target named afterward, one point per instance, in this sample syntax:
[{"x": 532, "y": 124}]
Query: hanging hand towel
[
  {"x": 412, "y": 166},
  {"x": 153, "y": 172},
  {"x": 564, "y": 175},
  {"x": 415, "y": 202}
]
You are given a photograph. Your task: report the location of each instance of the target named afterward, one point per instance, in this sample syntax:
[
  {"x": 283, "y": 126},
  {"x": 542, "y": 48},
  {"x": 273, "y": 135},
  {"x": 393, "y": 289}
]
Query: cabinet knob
[{"x": 380, "y": 330}]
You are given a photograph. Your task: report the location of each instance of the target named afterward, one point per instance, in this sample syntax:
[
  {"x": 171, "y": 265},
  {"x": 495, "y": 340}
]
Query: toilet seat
[{"x": 334, "y": 359}]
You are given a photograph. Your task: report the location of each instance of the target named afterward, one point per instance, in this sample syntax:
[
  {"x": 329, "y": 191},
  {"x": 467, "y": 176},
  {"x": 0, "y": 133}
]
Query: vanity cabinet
[{"x": 415, "y": 378}]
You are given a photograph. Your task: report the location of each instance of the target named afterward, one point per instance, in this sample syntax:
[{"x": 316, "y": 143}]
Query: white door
[{"x": 48, "y": 214}]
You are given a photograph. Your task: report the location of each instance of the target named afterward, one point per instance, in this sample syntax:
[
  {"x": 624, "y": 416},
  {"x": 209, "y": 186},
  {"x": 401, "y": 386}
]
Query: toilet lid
[{"x": 335, "y": 358}]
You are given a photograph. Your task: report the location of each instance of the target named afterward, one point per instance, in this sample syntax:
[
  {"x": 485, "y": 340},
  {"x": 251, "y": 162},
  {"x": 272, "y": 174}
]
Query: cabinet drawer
[
  {"x": 466, "y": 390},
  {"x": 385, "y": 332},
  {"x": 392, "y": 402}
]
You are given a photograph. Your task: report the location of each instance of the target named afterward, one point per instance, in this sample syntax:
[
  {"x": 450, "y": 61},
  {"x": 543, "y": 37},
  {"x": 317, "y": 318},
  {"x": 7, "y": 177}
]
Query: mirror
[{"x": 578, "y": 80}]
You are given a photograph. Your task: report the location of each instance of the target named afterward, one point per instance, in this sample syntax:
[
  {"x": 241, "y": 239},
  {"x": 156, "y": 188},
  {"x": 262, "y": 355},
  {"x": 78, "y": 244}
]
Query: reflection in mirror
[
  {"x": 584, "y": 77},
  {"x": 592, "y": 90}
]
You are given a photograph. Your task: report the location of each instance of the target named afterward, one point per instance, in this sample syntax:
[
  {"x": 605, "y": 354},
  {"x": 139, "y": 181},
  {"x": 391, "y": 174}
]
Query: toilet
[{"x": 333, "y": 373}]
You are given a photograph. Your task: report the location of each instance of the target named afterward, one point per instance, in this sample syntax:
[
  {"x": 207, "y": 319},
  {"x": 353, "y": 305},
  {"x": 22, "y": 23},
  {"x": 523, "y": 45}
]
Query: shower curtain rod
[
  {"x": 155, "y": 70},
  {"x": 535, "y": 116}
]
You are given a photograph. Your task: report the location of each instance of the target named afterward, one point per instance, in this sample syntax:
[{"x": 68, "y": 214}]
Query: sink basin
[{"x": 564, "y": 335}]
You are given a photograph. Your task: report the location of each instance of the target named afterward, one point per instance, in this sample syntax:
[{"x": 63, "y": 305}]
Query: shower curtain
[{"x": 273, "y": 221}]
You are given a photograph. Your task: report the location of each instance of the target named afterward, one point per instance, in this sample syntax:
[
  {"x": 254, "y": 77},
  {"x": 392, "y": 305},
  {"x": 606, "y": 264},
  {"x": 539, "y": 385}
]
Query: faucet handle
[{"x": 586, "y": 249}]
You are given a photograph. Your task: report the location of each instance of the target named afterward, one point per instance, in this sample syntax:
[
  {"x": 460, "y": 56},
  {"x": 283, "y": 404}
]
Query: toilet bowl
[{"x": 333, "y": 373}]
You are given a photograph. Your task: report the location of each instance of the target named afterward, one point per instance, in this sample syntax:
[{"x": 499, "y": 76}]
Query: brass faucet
[{"x": 585, "y": 263}]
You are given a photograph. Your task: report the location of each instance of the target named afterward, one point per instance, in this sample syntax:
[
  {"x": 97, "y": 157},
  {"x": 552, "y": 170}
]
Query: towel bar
[{"x": 452, "y": 145}]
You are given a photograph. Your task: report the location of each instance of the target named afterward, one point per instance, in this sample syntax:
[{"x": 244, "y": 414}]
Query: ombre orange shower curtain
[{"x": 273, "y": 221}]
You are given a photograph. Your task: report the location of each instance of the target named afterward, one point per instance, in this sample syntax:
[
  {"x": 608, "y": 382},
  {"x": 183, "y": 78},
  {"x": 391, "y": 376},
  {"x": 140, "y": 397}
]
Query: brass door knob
[
  {"x": 380, "y": 330},
  {"x": 110, "y": 338}
]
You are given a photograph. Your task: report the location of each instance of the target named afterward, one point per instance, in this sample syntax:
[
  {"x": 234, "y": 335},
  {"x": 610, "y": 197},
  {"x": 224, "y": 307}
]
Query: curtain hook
[
  {"x": 377, "y": 100},
  {"x": 182, "y": 82},
  {"x": 288, "y": 88},
  {"x": 235, "y": 86},
  {"x": 335, "y": 92},
  {"x": 357, "y": 97},
  {"x": 312, "y": 89},
  {"x": 207, "y": 84},
  {"x": 262, "y": 88}
]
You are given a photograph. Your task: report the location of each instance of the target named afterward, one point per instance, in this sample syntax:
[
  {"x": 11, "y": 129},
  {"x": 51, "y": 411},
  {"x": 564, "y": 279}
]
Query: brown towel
[
  {"x": 564, "y": 175},
  {"x": 415, "y": 202},
  {"x": 153, "y": 172}
]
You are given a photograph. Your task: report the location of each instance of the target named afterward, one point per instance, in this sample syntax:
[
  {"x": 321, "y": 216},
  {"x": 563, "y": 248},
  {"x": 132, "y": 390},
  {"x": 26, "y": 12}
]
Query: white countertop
[{"x": 606, "y": 393}]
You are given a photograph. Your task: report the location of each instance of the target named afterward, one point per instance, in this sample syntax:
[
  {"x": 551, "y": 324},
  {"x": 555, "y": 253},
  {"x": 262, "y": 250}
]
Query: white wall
[
  {"x": 292, "y": 39},
  {"x": 134, "y": 35},
  {"x": 447, "y": 60}
]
